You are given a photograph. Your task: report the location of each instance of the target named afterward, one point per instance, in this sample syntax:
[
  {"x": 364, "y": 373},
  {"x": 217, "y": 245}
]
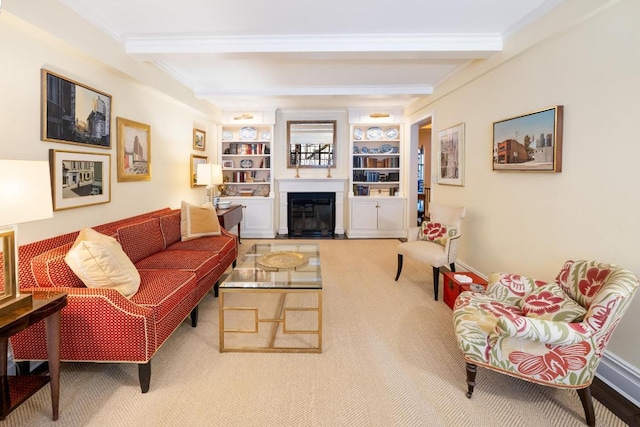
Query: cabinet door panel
[
  {"x": 364, "y": 215},
  {"x": 390, "y": 215}
]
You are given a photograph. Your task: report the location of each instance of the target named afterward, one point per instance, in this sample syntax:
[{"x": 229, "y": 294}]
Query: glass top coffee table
[{"x": 272, "y": 300}]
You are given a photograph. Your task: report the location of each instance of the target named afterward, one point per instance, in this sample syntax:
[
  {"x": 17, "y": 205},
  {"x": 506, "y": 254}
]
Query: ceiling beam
[{"x": 480, "y": 45}]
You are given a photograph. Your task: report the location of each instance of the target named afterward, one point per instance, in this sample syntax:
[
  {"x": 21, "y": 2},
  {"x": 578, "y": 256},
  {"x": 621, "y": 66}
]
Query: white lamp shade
[
  {"x": 209, "y": 174},
  {"x": 25, "y": 191},
  {"x": 203, "y": 174}
]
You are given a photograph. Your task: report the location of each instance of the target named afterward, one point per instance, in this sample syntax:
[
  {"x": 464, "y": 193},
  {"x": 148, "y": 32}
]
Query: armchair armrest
[
  {"x": 412, "y": 234},
  {"x": 542, "y": 331}
]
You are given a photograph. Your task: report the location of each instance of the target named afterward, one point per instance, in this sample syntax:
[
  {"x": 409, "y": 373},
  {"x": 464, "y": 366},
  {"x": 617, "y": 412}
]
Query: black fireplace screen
[{"x": 311, "y": 214}]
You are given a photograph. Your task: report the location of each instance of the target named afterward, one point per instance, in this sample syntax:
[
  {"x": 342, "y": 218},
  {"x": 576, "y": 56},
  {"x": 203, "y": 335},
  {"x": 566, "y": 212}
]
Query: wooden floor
[{"x": 616, "y": 403}]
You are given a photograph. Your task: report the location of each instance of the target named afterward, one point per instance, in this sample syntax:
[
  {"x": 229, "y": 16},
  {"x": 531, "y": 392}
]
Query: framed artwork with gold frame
[
  {"x": 199, "y": 139},
  {"x": 193, "y": 168},
  {"x": 134, "y": 150}
]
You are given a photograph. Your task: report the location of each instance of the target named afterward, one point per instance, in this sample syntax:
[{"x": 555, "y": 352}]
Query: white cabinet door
[
  {"x": 364, "y": 214},
  {"x": 257, "y": 217},
  {"x": 391, "y": 215},
  {"x": 376, "y": 217}
]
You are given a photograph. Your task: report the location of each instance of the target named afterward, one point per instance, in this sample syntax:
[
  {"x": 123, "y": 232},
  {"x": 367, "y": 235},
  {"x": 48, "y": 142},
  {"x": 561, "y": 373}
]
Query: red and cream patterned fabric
[
  {"x": 100, "y": 324},
  {"x": 562, "y": 350}
]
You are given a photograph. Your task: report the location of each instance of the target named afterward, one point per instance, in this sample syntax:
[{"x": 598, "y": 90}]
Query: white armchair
[{"x": 436, "y": 242}]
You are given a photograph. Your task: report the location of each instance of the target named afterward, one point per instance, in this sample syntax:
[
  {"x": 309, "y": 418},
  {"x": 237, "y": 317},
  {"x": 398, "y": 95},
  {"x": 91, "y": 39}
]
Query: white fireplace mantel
[{"x": 311, "y": 185}]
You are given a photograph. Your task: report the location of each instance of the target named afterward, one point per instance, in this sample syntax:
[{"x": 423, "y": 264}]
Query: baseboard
[{"x": 620, "y": 376}]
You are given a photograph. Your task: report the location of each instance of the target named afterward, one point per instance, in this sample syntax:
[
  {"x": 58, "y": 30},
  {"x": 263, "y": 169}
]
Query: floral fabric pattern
[
  {"x": 436, "y": 232},
  {"x": 550, "y": 333}
]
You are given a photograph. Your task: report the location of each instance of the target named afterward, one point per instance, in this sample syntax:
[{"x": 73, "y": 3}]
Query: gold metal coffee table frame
[{"x": 270, "y": 301}]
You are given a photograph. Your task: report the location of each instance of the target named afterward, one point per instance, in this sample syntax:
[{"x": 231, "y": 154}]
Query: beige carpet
[{"x": 389, "y": 359}]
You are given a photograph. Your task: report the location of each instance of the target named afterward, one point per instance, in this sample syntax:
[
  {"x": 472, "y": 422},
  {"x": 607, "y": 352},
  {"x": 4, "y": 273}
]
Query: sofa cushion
[
  {"x": 198, "y": 221},
  {"x": 436, "y": 232},
  {"x": 549, "y": 302},
  {"x": 100, "y": 262},
  {"x": 199, "y": 262},
  {"x": 170, "y": 226},
  {"x": 50, "y": 269},
  {"x": 142, "y": 239}
]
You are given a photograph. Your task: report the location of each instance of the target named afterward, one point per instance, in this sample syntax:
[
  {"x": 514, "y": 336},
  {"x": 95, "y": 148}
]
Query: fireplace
[{"x": 311, "y": 214}]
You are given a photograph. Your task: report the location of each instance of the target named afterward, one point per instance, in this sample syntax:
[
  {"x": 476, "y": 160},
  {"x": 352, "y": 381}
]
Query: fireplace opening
[{"x": 311, "y": 214}]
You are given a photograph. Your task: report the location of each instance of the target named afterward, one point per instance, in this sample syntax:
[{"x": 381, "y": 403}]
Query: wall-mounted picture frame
[
  {"x": 199, "y": 139},
  {"x": 74, "y": 113},
  {"x": 227, "y": 164},
  {"x": 134, "y": 150},
  {"x": 530, "y": 142},
  {"x": 451, "y": 155},
  {"x": 193, "y": 168},
  {"x": 79, "y": 179}
]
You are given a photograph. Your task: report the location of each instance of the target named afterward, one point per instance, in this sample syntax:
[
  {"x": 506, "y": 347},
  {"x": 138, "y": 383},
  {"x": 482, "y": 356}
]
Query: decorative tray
[{"x": 282, "y": 260}]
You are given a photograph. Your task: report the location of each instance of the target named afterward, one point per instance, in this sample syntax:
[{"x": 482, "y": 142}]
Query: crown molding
[{"x": 373, "y": 90}]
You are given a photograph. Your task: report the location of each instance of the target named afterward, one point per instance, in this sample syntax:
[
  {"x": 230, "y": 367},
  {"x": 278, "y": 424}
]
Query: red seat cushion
[{"x": 199, "y": 262}]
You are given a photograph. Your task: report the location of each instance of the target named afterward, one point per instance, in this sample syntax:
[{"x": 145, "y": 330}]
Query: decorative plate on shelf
[
  {"x": 364, "y": 150},
  {"x": 248, "y": 133},
  {"x": 374, "y": 150},
  {"x": 356, "y": 150},
  {"x": 266, "y": 136},
  {"x": 386, "y": 148},
  {"x": 246, "y": 163},
  {"x": 395, "y": 150},
  {"x": 231, "y": 190},
  {"x": 374, "y": 133},
  {"x": 262, "y": 190},
  {"x": 227, "y": 135},
  {"x": 391, "y": 133},
  {"x": 357, "y": 133}
]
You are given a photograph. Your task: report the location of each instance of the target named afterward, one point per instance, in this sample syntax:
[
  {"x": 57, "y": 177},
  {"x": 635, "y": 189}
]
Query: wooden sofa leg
[
  {"x": 144, "y": 374},
  {"x": 471, "y": 378},
  {"x": 453, "y": 267},
  {"x": 587, "y": 404},
  {"x": 436, "y": 276},
  {"x": 215, "y": 289},
  {"x": 194, "y": 317},
  {"x": 399, "y": 267}
]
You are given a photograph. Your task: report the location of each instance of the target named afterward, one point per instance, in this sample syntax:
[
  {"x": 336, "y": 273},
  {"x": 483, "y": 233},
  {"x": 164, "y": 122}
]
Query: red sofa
[{"x": 100, "y": 324}]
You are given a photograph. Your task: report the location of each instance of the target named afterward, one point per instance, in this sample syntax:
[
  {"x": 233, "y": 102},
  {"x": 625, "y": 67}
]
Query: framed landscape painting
[
  {"x": 79, "y": 179},
  {"x": 73, "y": 113},
  {"x": 530, "y": 142},
  {"x": 451, "y": 155},
  {"x": 134, "y": 150}
]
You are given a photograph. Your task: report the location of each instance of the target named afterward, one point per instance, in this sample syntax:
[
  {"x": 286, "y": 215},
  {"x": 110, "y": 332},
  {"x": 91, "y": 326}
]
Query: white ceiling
[{"x": 310, "y": 53}]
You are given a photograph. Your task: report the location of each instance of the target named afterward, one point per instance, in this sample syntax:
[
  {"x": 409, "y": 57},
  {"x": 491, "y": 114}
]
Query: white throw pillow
[
  {"x": 198, "y": 221},
  {"x": 100, "y": 262}
]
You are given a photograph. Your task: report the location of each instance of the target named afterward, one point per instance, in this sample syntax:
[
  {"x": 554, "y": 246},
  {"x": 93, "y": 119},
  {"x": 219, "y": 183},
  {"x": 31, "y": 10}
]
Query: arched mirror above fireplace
[{"x": 312, "y": 144}]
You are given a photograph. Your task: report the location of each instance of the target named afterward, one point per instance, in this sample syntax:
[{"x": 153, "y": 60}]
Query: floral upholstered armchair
[{"x": 551, "y": 333}]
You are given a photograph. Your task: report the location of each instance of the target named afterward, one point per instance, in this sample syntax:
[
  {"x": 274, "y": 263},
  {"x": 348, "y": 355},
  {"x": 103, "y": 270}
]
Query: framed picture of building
[
  {"x": 73, "y": 113},
  {"x": 199, "y": 139},
  {"x": 451, "y": 155},
  {"x": 134, "y": 150},
  {"x": 79, "y": 179},
  {"x": 530, "y": 142}
]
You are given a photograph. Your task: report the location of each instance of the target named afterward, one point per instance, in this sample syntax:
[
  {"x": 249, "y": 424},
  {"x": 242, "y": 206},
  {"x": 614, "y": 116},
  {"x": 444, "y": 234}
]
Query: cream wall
[
  {"x": 584, "y": 56},
  {"x": 26, "y": 49}
]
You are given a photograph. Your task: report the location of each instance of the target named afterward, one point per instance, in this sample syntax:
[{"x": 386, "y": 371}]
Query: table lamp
[
  {"x": 25, "y": 195},
  {"x": 210, "y": 174}
]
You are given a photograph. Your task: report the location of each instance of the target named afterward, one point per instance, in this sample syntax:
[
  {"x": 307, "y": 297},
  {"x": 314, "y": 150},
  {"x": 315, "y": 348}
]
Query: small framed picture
[
  {"x": 79, "y": 179},
  {"x": 451, "y": 155},
  {"x": 134, "y": 150},
  {"x": 227, "y": 164},
  {"x": 199, "y": 139}
]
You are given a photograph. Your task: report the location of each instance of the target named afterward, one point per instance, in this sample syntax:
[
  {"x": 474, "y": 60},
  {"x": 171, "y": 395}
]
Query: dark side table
[
  {"x": 16, "y": 389},
  {"x": 230, "y": 217}
]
